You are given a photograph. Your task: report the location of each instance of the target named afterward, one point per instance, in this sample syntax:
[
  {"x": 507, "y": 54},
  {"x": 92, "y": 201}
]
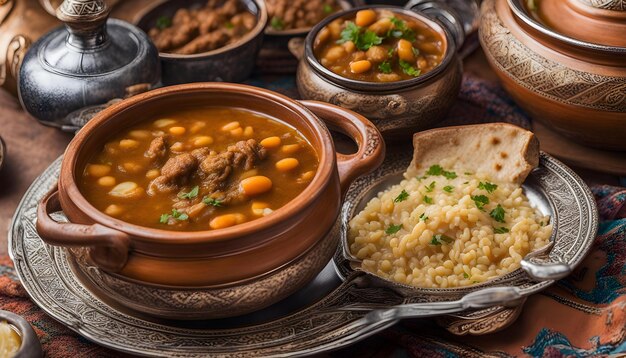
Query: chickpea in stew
[
  {"x": 379, "y": 46},
  {"x": 199, "y": 169},
  {"x": 196, "y": 30}
]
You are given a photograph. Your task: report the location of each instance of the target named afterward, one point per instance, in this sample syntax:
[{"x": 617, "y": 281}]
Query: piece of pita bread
[{"x": 506, "y": 153}]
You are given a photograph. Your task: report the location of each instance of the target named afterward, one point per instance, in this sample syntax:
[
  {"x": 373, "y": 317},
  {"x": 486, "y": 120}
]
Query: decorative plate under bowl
[{"x": 311, "y": 321}]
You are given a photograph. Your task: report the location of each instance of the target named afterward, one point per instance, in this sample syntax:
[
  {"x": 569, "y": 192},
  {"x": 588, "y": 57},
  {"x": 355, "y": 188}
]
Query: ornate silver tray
[{"x": 325, "y": 315}]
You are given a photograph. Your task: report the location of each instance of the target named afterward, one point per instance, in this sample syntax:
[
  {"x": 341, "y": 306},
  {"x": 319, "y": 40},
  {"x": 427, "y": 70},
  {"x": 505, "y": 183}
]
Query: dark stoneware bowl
[{"x": 231, "y": 63}]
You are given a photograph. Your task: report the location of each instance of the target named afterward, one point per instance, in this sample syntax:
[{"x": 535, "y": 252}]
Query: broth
[
  {"x": 199, "y": 169},
  {"x": 379, "y": 46}
]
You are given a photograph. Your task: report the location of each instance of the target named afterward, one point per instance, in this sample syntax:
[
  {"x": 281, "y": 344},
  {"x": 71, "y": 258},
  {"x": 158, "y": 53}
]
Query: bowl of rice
[
  {"x": 447, "y": 229},
  {"x": 472, "y": 206}
]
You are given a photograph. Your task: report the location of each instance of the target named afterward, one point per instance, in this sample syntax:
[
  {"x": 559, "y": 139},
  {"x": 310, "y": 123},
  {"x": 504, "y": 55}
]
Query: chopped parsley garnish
[
  {"x": 448, "y": 188},
  {"x": 178, "y": 215},
  {"x": 468, "y": 173},
  {"x": 497, "y": 214},
  {"x": 277, "y": 23},
  {"x": 400, "y": 30},
  {"x": 487, "y": 186},
  {"x": 211, "y": 201},
  {"x": 465, "y": 275},
  {"x": 229, "y": 25},
  {"x": 401, "y": 197},
  {"x": 190, "y": 195},
  {"x": 385, "y": 67},
  {"x": 440, "y": 239},
  {"x": 465, "y": 182},
  {"x": 392, "y": 229},
  {"x": 422, "y": 177},
  {"x": 438, "y": 170},
  {"x": 500, "y": 230},
  {"x": 430, "y": 187},
  {"x": 367, "y": 40},
  {"x": 391, "y": 51},
  {"x": 328, "y": 9},
  {"x": 435, "y": 170},
  {"x": 480, "y": 201},
  {"x": 428, "y": 199},
  {"x": 416, "y": 52},
  {"x": 163, "y": 22},
  {"x": 423, "y": 217},
  {"x": 363, "y": 41},
  {"x": 408, "y": 69}
]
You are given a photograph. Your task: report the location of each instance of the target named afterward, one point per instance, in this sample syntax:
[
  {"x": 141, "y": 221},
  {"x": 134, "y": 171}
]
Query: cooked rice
[{"x": 468, "y": 250}]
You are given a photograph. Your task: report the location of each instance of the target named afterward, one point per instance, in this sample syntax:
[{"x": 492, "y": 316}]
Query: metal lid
[
  {"x": 87, "y": 48},
  {"x": 83, "y": 66}
]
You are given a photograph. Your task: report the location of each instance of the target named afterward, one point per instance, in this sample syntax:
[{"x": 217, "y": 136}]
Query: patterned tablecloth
[{"x": 580, "y": 316}]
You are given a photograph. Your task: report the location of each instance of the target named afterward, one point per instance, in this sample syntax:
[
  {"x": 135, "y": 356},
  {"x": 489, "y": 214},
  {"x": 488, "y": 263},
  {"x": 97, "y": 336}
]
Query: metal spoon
[{"x": 485, "y": 298}]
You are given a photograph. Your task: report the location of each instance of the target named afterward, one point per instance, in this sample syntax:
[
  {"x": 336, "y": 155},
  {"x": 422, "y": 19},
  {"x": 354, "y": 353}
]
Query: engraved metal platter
[{"x": 320, "y": 317}]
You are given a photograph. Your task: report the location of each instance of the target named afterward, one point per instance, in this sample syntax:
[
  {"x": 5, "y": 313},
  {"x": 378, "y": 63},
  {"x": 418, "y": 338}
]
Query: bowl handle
[
  {"x": 296, "y": 47},
  {"x": 371, "y": 152},
  {"x": 108, "y": 248}
]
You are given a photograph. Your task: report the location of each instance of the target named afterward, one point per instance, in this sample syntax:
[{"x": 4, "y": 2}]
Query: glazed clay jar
[
  {"x": 398, "y": 109},
  {"x": 214, "y": 273},
  {"x": 564, "y": 62}
]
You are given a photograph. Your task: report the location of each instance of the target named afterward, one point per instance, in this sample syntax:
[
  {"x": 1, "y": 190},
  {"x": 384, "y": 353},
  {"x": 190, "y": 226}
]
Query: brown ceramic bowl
[
  {"x": 573, "y": 83},
  {"x": 217, "y": 273},
  {"x": 231, "y": 63},
  {"x": 398, "y": 109}
]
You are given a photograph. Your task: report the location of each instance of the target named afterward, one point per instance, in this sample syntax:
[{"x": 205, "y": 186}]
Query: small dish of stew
[
  {"x": 379, "y": 45},
  {"x": 199, "y": 29},
  {"x": 199, "y": 169}
]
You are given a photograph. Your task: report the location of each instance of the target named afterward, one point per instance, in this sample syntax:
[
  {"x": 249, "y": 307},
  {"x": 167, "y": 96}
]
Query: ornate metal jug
[{"x": 89, "y": 62}]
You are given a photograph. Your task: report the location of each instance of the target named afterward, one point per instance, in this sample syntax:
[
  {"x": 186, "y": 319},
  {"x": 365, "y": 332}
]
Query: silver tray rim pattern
[{"x": 46, "y": 274}]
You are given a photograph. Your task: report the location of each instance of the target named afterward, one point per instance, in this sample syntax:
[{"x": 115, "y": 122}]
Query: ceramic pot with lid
[
  {"x": 571, "y": 77},
  {"x": 89, "y": 62},
  {"x": 252, "y": 265},
  {"x": 398, "y": 109}
]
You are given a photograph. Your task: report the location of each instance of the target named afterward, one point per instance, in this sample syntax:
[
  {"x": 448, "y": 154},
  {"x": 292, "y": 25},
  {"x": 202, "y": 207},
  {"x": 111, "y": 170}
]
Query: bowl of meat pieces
[
  {"x": 205, "y": 200},
  {"x": 200, "y": 40}
]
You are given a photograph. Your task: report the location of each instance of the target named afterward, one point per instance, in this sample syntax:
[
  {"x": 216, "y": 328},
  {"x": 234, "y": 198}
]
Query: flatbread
[{"x": 505, "y": 152}]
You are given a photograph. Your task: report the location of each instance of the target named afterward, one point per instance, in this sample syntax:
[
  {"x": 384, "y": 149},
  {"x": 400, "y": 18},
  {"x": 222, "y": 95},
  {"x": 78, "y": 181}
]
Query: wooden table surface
[{"x": 32, "y": 147}]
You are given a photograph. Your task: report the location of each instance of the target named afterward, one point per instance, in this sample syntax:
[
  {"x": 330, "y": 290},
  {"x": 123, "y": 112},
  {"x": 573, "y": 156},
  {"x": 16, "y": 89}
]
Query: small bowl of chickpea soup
[{"x": 397, "y": 67}]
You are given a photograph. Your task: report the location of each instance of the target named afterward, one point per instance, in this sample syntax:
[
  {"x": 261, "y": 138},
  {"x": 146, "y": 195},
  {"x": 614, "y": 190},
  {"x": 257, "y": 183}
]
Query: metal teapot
[{"x": 86, "y": 64}]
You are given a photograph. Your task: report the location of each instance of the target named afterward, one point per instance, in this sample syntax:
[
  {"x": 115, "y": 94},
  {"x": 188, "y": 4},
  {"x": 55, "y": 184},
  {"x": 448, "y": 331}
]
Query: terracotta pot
[
  {"x": 570, "y": 83},
  {"x": 398, "y": 109},
  {"x": 218, "y": 273}
]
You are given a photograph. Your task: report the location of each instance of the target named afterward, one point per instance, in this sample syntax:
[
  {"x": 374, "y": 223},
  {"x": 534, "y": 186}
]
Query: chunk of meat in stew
[
  {"x": 214, "y": 169},
  {"x": 175, "y": 173},
  {"x": 157, "y": 148}
]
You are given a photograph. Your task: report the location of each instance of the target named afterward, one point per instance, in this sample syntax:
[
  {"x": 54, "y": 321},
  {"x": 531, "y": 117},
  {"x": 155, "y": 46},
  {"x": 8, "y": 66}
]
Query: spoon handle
[{"x": 488, "y": 297}]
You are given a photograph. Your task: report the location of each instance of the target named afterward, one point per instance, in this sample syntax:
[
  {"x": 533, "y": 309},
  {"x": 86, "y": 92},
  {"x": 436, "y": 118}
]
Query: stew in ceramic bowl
[
  {"x": 379, "y": 46},
  {"x": 199, "y": 169}
]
